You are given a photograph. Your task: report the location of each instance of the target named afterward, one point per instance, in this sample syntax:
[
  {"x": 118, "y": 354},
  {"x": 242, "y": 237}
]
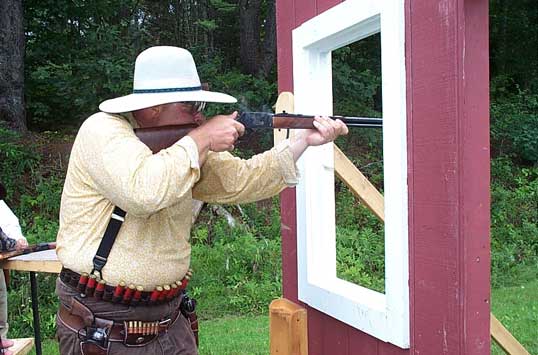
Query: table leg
[{"x": 35, "y": 312}]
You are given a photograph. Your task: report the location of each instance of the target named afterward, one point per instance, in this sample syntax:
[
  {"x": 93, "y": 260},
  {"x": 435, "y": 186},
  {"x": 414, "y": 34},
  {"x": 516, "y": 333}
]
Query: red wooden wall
[{"x": 448, "y": 180}]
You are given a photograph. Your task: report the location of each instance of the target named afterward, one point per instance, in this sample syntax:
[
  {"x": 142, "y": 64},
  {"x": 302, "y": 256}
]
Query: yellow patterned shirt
[{"x": 109, "y": 166}]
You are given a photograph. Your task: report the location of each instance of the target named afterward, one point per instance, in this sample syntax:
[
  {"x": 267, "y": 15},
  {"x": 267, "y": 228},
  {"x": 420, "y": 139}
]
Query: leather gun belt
[{"x": 129, "y": 332}]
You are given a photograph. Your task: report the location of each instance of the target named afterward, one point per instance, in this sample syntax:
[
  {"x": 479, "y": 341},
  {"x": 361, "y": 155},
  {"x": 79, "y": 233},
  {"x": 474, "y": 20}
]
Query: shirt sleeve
[
  {"x": 9, "y": 222},
  {"x": 124, "y": 170},
  {"x": 228, "y": 179}
]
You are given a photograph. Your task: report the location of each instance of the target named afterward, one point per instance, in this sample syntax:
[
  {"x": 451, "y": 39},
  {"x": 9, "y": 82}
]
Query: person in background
[{"x": 11, "y": 238}]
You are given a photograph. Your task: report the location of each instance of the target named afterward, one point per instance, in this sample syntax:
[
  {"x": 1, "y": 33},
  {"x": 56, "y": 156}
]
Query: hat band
[{"x": 151, "y": 91}]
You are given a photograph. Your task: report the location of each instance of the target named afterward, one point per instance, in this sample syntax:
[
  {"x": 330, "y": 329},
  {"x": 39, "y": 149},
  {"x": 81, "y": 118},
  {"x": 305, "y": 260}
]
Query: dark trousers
[{"x": 179, "y": 338}]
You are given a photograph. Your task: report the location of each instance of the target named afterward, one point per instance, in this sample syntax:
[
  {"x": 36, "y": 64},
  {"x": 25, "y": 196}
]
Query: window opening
[{"x": 360, "y": 240}]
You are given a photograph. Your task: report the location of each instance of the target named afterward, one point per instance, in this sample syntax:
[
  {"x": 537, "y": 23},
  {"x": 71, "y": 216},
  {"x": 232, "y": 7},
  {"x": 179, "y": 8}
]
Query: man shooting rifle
[{"x": 125, "y": 215}]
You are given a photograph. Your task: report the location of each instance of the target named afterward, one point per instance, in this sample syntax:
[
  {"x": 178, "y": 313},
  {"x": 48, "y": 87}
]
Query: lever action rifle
[
  {"x": 157, "y": 138},
  {"x": 29, "y": 249}
]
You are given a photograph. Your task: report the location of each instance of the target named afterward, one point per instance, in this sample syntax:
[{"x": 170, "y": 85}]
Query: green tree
[
  {"x": 78, "y": 53},
  {"x": 514, "y": 42},
  {"x": 12, "y": 64}
]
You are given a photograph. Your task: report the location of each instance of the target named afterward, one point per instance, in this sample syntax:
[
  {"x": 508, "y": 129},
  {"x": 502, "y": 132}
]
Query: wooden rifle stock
[{"x": 158, "y": 138}]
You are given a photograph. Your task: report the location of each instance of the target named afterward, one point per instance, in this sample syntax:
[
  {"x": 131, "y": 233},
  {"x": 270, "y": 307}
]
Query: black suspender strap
[{"x": 111, "y": 232}]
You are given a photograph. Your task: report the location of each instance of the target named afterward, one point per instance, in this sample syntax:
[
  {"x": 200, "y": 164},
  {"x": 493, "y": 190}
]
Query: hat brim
[{"x": 137, "y": 101}]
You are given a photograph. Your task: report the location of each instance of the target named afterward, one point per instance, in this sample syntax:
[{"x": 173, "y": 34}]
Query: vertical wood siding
[
  {"x": 448, "y": 162},
  {"x": 448, "y": 176}
]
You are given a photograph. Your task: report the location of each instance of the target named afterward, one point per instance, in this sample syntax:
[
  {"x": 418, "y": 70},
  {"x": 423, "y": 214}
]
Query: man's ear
[{"x": 156, "y": 112}]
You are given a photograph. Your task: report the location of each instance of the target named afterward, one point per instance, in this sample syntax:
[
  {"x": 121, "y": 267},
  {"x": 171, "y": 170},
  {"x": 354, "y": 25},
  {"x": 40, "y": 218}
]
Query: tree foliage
[
  {"x": 514, "y": 79},
  {"x": 82, "y": 52},
  {"x": 79, "y": 53},
  {"x": 514, "y": 42}
]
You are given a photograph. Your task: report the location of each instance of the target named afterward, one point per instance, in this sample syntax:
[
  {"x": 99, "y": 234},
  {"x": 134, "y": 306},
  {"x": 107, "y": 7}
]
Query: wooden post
[
  {"x": 358, "y": 183},
  {"x": 283, "y": 103},
  {"x": 505, "y": 340},
  {"x": 288, "y": 328},
  {"x": 21, "y": 346}
]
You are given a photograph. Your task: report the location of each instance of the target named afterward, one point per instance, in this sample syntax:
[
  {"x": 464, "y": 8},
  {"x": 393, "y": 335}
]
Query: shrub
[
  {"x": 34, "y": 193},
  {"x": 236, "y": 269},
  {"x": 18, "y": 161},
  {"x": 514, "y": 124},
  {"x": 514, "y": 218}
]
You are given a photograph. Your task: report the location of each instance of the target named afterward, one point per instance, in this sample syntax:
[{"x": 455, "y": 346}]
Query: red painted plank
[
  {"x": 432, "y": 290},
  {"x": 475, "y": 175},
  {"x": 316, "y": 327},
  {"x": 288, "y": 19},
  {"x": 387, "y": 349},
  {"x": 304, "y": 10},
  {"x": 362, "y": 343},
  {"x": 285, "y": 23},
  {"x": 288, "y": 220},
  {"x": 324, "y": 5},
  {"x": 285, "y": 16},
  {"x": 326, "y": 335},
  {"x": 336, "y": 335},
  {"x": 448, "y": 169}
]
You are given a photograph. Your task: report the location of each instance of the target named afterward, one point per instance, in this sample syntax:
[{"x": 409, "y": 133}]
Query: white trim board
[{"x": 385, "y": 316}]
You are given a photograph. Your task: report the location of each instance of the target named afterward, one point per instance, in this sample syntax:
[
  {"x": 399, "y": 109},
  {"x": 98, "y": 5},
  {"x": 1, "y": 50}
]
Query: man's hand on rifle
[
  {"x": 222, "y": 131},
  {"x": 326, "y": 131},
  {"x": 21, "y": 244},
  {"x": 217, "y": 134}
]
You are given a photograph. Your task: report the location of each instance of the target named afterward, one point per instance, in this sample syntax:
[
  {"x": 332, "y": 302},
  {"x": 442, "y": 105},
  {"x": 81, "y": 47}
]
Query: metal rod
[
  {"x": 366, "y": 125},
  {"x": 360, "y": 121},
  {"x": 350, "y": 121},
  {"x": 35, "y": 312}
]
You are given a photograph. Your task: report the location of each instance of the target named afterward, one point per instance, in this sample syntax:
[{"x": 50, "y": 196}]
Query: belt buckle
[{"x": 165, "y": 323}]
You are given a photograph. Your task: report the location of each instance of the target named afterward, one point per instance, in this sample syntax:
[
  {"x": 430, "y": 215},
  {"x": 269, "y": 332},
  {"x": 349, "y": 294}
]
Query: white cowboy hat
[{"x": 163, "y": 75}]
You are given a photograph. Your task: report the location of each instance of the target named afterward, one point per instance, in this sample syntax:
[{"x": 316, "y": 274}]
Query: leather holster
[{"x": 89, "y": 343}]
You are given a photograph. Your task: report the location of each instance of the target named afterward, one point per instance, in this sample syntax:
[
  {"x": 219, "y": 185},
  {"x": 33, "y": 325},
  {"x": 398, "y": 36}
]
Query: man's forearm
[
  {"x": 297, "y": 147},
  {"x": 203, "y": 143}
]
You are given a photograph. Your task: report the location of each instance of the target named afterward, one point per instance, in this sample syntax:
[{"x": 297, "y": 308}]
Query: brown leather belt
[{"x": 133, "y": 333}]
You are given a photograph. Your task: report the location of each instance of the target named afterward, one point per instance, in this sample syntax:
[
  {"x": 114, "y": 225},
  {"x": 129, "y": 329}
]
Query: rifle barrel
[
  {"x": 359, "y": 121},
  {"x": 288, "y": 120}
]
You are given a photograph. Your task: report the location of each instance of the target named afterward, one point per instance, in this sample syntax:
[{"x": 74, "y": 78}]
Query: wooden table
[{"x": 42, "y": 261}]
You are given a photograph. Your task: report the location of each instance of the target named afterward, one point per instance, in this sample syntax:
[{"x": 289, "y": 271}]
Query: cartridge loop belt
[
  {"x": 129, "y": 332},
  {"x": 129, "y": 295}
]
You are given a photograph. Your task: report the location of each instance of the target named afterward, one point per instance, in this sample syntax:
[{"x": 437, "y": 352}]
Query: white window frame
[{"x": 385, "y": 316}]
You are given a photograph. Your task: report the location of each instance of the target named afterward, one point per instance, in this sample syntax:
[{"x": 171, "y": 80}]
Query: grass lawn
[
  {"x": 244, "y": 335},
  {"x": 516, "y": 307}
]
